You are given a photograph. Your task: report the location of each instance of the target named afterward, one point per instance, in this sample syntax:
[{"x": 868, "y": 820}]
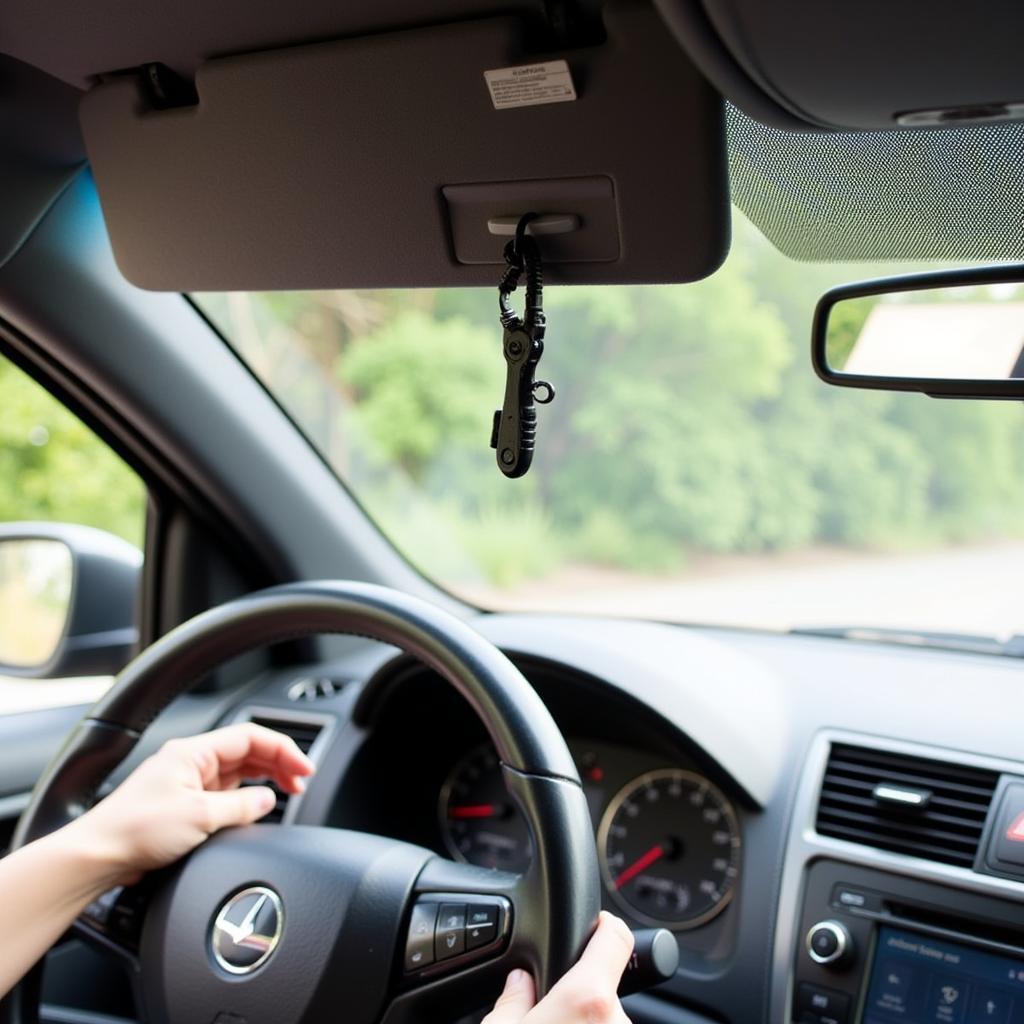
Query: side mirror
[
  {"x": 951, "y": 334},
  {"x": 67, "y": 600}
]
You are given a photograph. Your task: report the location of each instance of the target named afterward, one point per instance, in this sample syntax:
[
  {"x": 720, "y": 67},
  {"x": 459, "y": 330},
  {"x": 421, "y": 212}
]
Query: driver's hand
[
  {"x": 586, "y": 995},
  {"x": 184, "y": 793}
]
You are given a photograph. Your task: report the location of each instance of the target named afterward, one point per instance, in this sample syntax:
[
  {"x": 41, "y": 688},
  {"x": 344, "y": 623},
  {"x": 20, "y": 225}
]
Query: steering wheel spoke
[
  {"x": 105, "y": 925},
  {"x": 113, "y": 923}
]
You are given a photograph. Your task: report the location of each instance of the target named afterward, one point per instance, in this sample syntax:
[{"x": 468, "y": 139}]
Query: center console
[
  {"x": 871, "y": 935},
  {"x": 878, "y": 948}
]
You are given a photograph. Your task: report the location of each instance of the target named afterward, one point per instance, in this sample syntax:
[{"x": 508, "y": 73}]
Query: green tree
[
  {"x": 418, "y": 385},
  {"x": 846, "y": 321},
  {"x": 688, "y": 419},
  {"x": 53, "y": 468}
]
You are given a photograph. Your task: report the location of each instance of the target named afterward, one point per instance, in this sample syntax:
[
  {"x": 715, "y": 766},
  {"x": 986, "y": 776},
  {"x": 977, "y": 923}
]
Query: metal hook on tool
[{"x": 521, "y": 254}]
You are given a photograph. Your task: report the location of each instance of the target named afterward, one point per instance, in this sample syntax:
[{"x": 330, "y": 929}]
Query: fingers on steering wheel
[
  {"x": 248, "y": 751},
  {"x": 515, "y": 1001},
  {"x": 586, "y": 995},
  {"x": 588, "y": 992},
  {"x": 237, "y": 807}
]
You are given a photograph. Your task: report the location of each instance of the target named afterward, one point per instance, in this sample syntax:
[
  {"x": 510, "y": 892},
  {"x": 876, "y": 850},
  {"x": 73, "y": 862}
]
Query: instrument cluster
[{"x": 668, "y": 838}]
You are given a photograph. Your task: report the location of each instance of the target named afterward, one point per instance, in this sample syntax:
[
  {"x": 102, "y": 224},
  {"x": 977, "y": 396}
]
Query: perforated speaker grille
[{"x": 941, "y": 194}]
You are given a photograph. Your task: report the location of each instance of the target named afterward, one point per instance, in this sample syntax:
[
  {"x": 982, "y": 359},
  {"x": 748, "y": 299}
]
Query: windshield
[{"x": 691, "y": 467}]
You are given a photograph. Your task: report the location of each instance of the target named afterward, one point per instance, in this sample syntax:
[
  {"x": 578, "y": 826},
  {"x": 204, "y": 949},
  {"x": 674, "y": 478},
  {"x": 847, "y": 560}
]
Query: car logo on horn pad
[{"x": 247, "y": 930}]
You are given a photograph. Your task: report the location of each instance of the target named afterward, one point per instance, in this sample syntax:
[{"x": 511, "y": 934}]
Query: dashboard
[
  {"x": 668, "y": 825},
  {"x": 744, "y": 792}
]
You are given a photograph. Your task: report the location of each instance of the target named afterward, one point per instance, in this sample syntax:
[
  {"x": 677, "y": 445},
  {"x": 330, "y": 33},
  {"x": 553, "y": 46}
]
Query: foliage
[
  {"x": 687, "y": 420},
  {"x": 846, "y": 321},
  {"x": 435, "y": 372},
  {"x": 53, "y": 468}
]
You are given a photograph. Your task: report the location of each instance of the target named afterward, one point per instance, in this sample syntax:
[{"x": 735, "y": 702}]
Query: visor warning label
[{"x": 530, "y": 85}]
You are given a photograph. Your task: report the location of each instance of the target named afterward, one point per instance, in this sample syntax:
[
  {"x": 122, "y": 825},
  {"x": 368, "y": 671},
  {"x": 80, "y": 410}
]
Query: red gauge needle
[
  {"x": 474, "y": 811},
  {"x": 639, "y": 865}
]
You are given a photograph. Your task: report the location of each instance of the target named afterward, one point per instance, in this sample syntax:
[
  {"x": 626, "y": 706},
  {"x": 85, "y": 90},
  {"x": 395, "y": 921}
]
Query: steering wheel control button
[
  {"x": 450, "y": 936},
  {"x": 126, "y": 914},
  {"x": 464, "y": 929},
  {"x": 481, "y": 926},
  {"x": 449, "y": 931},
  {"x": 829, "y": 943},
  {"x": 98, "y": 912},
  {"x": 419, "y": 948},
  {"x": 247, "y": 930},
  {"x": 816, "y": 1005}
]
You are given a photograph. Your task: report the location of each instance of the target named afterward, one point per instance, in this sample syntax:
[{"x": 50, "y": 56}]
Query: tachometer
[
  {"x": 479, "y": 821},
  {"x": 669, "y": 846}
]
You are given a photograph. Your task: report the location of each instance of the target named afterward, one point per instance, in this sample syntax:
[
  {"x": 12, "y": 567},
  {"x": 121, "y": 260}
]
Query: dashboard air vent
[
  {"x": 319, "y": 688},
  {"x": 906, "y": 804},
  {"x": 304, "y": 732}
]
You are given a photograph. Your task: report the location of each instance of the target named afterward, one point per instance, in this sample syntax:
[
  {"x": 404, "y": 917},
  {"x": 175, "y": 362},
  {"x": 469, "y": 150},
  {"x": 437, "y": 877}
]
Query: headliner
[{"x": 952, "y": 194}]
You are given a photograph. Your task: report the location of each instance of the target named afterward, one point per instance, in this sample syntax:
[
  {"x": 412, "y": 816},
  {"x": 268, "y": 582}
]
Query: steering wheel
[{"x": 284, "y": 924}]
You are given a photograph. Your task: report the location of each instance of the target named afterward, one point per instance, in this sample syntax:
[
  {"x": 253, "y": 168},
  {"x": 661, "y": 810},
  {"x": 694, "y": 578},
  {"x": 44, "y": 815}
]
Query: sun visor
[{"x": 400, "y": 159}]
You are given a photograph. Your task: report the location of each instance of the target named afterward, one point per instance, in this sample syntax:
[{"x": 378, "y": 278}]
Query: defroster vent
[{"x": 906, "y": 804}]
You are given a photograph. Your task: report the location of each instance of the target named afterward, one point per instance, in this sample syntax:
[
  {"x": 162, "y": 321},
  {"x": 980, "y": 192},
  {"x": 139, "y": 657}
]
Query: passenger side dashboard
[{"x": 901, "y": 888}]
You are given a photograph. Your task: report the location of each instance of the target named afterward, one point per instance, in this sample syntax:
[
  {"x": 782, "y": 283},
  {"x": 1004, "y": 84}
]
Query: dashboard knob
[{"x": 830, "y": 944}]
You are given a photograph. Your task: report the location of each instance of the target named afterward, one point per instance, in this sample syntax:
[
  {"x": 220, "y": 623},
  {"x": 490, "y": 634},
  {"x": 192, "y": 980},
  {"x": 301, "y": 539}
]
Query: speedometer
[{"x": 669, "y": 845}]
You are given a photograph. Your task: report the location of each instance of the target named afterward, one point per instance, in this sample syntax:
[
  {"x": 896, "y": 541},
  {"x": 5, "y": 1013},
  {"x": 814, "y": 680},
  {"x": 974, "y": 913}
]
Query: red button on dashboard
[
  {"x": 1006, "y": 847},
  {"x": 1015, "y": 833}
]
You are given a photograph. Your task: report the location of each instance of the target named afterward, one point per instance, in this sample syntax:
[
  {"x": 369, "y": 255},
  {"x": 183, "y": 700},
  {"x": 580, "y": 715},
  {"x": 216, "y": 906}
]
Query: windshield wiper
[{"x": 974, "y": 643}]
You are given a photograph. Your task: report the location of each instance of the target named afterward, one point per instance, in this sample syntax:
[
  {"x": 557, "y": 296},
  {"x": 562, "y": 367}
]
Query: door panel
[{"x": 27, "y": 742}]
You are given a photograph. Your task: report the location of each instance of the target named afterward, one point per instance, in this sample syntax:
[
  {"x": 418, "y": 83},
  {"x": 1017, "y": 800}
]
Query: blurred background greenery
[
  {"x": 687, "y": 423},
  {"x": 54, "y": 468}
]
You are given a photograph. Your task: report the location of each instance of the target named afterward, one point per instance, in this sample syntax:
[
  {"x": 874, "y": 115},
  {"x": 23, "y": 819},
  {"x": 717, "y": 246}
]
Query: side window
[{"x": 53, "y": 470}]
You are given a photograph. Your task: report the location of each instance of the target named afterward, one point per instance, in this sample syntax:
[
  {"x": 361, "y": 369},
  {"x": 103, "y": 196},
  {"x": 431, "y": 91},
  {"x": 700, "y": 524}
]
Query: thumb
[
  {"x": 240, "y": 806},
  {"x": 515, "y": 1001}
]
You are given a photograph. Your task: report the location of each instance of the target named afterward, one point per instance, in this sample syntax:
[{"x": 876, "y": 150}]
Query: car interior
[{"x": 821, "y": 823}]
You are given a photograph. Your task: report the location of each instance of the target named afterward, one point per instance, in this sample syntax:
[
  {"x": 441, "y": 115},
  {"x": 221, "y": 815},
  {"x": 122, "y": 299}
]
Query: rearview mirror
[
  {"x": 67, "y": 600},
  {"x": 951, "y": 333}
]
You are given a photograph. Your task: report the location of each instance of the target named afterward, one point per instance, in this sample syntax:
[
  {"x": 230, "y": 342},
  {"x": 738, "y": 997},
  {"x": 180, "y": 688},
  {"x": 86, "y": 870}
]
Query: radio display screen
[{"x": 919, "y": 980}]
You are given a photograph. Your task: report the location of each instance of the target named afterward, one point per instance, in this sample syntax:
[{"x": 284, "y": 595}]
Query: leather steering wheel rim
[{"x": 529, "y": 743}]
